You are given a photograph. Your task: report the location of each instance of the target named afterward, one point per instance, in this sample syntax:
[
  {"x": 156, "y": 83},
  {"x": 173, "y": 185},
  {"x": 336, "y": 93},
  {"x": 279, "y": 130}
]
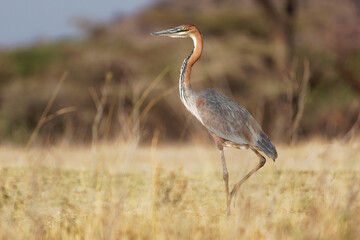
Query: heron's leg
[
  {"x": 219, "y": 142},
  {"x": 226, "y": 181},
  {"x": 238, "y": 184}
]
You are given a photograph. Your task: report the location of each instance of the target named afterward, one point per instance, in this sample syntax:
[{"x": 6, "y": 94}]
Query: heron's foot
[
  {"x": 232, "y": 194},
  {"x": 228, "y": 213},
  {"x": 228, "y": 203},
  {"x": 234, "y": 202}
]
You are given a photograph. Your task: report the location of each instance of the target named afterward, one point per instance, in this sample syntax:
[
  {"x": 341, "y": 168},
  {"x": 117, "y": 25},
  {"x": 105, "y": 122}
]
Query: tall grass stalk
[
  {"x": 100, "y": 104},
  {"x": 44, "y": 118}
]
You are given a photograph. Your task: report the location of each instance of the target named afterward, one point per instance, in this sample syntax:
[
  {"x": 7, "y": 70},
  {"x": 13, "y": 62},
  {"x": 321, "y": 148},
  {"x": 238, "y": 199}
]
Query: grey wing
[{"x": 228, "y": 120}]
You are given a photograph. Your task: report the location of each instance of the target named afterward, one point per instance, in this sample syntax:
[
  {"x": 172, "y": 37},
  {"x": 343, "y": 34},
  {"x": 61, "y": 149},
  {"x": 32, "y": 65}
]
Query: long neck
[{"x": 184, "y": 81}]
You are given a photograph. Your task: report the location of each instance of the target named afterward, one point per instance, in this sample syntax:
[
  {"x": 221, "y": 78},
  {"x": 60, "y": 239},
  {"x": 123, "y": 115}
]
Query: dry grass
[{"x": 170, "y": 192}]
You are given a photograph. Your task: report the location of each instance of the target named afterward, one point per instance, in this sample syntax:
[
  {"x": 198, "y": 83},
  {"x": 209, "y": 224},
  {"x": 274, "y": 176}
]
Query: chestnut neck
[{"x": 185, "y": 72}]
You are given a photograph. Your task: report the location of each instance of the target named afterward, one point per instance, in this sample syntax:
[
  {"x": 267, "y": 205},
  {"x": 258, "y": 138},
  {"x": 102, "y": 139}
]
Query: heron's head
[{"x": 178, "y": 32}]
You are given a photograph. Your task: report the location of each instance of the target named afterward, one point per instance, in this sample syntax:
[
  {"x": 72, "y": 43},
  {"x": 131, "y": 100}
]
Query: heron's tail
[{"x": 266, "y": 146}]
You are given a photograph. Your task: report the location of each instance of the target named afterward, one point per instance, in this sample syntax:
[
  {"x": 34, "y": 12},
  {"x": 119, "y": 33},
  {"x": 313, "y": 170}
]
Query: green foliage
[{"x": 27, "y": 62}]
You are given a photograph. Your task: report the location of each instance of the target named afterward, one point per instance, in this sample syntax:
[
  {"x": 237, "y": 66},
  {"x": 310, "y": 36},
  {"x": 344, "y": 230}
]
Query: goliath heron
[{"x": 229, "y": 124}]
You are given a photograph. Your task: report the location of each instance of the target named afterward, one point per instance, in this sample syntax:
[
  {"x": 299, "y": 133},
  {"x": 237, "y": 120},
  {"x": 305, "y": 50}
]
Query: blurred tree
[
  {"x": 347, "y": 47},
  {"x": 282, "y": 21},
  {"x": 282, "y": 24}
]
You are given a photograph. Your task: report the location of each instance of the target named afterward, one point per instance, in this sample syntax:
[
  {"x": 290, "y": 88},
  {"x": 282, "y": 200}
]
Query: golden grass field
[{"x": 115, "y": 191}]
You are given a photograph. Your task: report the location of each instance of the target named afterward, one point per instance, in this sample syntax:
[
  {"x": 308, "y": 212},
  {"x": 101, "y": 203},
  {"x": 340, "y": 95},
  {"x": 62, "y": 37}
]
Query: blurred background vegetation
[{"x": 294, "y": 64}]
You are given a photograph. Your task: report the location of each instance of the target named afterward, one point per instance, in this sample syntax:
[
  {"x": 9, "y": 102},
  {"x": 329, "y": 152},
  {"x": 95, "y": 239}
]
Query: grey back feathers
[{"x": 230, "y": 121}]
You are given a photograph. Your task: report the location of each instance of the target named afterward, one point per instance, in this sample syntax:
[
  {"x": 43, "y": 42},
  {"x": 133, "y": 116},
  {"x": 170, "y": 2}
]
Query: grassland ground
[{"x": 116, "y": 191}]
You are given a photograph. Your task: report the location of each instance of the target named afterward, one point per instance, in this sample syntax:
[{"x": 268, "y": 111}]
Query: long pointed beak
[{"x": 166, "y": 32}]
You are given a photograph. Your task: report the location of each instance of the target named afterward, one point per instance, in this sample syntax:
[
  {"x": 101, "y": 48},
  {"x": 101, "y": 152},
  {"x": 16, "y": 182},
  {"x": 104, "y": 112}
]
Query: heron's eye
[{"x": 182, "y": 29}]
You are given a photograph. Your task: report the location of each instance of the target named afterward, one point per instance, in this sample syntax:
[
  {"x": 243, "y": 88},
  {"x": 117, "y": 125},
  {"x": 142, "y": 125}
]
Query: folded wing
[{"x": 230, "y": 121}]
